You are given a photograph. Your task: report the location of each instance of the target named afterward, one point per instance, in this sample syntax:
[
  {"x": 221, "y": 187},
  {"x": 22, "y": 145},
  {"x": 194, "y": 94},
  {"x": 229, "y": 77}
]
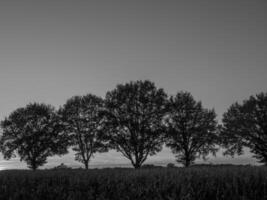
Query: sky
[{"x": 52, "y": 50}]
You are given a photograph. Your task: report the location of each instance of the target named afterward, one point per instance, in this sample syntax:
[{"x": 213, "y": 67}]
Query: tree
[
  {"x": 245, "y": 125},
  {"x": 34, "y": 133},
  {"x": 191, "y": 129},
  {"x": 134, "y": 113},
  {"x": 82, "y": 122}
]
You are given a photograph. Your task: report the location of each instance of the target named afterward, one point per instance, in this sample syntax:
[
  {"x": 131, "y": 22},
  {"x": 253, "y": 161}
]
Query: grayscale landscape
[{"x": 133, "y": 99}]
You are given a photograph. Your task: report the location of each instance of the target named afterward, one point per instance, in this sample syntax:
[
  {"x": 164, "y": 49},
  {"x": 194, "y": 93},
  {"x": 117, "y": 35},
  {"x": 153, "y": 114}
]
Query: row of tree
[{"x": 136, "y": 119}]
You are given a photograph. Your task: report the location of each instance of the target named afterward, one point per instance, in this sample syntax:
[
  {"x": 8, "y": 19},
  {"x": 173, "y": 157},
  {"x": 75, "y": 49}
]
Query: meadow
[{"x": 194, "y": 183}]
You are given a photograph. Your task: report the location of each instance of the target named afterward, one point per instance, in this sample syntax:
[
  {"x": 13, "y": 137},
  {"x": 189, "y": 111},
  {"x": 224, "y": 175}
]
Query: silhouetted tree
[
  {"x": 191, "y": 129},
  {"x": 245, "y": 125},
  {"x": 134, "y": 120},
  {"x": 82, "y": 122},
  {"x": 33, "y": 133}
]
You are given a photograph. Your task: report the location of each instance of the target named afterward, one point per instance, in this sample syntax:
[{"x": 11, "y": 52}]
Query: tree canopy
[
  {"x": 33, "y": 133},
  {"x": 191, "y": 129},
  {"x": 245, "y": 125},
  {"x": 134, "y": 113},
  {"x": 82, "y": 120}
]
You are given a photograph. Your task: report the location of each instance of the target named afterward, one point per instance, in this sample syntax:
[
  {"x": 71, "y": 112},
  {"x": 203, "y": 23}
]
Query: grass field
[{"x": 198, "y": 183}]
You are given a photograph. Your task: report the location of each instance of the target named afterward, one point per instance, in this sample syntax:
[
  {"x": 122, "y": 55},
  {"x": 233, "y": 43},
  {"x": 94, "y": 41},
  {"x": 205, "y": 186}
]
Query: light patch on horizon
[{"x": 115, "y": 159}]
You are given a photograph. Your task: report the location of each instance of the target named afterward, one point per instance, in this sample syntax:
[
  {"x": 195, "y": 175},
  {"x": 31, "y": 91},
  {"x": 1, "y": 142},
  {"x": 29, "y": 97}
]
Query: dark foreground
[{"x": 198, "y": 183}]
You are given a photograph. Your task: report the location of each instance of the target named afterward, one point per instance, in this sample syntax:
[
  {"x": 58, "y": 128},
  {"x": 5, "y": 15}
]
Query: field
[{"x": 198, "y": 183}]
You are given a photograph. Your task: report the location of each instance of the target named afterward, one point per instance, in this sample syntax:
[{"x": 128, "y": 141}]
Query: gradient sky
[{"x": 51, "y": 50}]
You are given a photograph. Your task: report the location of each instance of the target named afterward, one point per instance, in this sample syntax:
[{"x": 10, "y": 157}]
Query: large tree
[
  {"x": 245, "y": 125},
  {"x": 82, "y": 122},
  {"x": 191, "y": 129},
  {"x": 33, "y": 133},
  {"x": 134, "y": 113}
]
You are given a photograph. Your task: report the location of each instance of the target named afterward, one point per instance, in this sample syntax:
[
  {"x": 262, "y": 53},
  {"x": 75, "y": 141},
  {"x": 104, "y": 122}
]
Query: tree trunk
[
  {"x": 86, "y": 165},
  {"x": 137, "y": 165},
  {"x": 187, "y": 160},
  {"x": 33, "y": 166},
  {"x": 187, "y": 163}
]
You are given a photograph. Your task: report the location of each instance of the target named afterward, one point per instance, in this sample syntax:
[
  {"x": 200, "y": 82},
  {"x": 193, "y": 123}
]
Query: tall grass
[{"x": 199, "y": 183}]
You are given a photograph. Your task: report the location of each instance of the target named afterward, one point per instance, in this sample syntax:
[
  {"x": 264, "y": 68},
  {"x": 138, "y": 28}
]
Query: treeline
[{"x": 136, "y": 119}]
